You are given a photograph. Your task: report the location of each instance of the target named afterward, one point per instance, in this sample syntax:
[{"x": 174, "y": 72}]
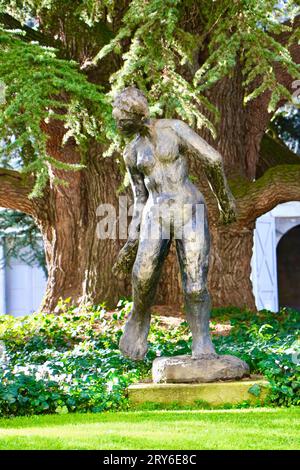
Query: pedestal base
[
  {"x": 208, "y": 368},
  {"x": 214, "y": 394}
]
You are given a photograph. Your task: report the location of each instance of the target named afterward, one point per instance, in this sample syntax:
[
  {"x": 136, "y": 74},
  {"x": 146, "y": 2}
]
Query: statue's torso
[{"x": 160, "y": 157}]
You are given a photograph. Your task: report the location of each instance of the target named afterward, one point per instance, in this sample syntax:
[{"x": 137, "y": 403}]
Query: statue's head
[{"x": 130, "y": 110}]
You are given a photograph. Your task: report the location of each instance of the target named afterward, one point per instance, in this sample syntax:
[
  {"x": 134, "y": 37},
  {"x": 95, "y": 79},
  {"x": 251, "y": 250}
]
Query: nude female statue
[{"x": 155, "y": 159}]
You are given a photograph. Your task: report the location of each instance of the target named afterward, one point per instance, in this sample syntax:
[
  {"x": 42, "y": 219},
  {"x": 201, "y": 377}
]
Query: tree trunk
[
  {"x": 79, "y": 264},
  {"x": 229, "y": 274}
]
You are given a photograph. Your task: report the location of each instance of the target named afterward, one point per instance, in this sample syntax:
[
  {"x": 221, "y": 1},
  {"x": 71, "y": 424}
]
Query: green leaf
[
  {"x": 62, "y": 410},
  {"x": 255, "y": 390}
]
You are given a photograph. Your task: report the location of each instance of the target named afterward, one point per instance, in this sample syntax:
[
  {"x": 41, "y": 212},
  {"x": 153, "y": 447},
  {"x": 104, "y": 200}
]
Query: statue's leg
[
  {"x": 193, "y": 255},
  {"x": 145, "y": 275}
]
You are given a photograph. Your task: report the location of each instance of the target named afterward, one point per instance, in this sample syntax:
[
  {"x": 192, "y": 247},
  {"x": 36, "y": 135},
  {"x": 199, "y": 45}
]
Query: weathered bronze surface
[{"x": 155, "y": 157}]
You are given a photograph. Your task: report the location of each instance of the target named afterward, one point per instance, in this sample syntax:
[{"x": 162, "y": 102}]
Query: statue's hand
[
  {"x": 125, "y": 260},
  {"x": 229, "y": 214}
]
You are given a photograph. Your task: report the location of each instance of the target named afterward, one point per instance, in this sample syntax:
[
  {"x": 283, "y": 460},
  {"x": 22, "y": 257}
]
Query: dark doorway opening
[{"x": 288, "y": 269}]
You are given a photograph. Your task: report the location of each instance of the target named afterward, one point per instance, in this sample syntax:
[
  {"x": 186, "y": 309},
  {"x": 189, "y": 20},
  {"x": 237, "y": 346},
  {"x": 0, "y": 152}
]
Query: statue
[{"x": 155, "y": 157}]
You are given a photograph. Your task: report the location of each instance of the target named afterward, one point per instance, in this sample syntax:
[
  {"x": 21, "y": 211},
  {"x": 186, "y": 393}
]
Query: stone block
[
  {"x": 214, "y": 393},
  {"x": 208, "y": 368}
]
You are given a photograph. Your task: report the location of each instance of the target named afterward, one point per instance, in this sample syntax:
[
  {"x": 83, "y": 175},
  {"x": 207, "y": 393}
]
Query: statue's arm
[
  {"x": 140, "y": 196},
  {"x": 213, "y": 167},
  {"x": 127, "y": 255}
]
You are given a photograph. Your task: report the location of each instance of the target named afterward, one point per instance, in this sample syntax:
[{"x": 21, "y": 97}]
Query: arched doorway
[{"x": 288, "y": 269}]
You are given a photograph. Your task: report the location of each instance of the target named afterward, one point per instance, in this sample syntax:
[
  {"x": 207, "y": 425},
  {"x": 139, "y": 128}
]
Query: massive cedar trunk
[
  {"x": 79, "y": 264},
  {"x": 229, "y": 278}
]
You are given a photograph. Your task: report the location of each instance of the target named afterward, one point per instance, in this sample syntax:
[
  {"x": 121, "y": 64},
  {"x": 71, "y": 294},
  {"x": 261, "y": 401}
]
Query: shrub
[{"x": 70, "y": 362}]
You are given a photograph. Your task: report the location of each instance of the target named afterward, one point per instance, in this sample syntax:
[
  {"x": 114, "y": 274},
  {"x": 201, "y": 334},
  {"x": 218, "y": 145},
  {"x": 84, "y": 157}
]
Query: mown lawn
[{"x": 264, "y": 428}]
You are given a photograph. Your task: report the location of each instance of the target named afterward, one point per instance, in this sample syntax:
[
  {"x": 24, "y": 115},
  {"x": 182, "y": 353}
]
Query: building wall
[
  {"x": 25, "y": 286},
  {"x": 21, "y": 287}
]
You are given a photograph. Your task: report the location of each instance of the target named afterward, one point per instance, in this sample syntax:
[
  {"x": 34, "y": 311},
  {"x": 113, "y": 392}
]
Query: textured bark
[
  {"x": 79, "y": 264},
  {"x": 229, "y": 275},
  {"x": 14, "y": 191},
  {"x": 229, "y": 272},
  {"x": 102, "y": 181},
  {"x": 279, "y": 184}
]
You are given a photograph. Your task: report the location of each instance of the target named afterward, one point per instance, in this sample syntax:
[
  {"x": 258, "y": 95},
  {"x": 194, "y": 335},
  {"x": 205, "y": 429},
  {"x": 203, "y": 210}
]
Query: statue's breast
[{"x": 164, "y": 148}]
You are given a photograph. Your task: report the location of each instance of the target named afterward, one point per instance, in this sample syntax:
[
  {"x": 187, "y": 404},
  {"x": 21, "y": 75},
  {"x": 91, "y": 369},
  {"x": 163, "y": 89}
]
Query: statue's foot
[
  {"x": 203, "y": 347},
  {"x": 133, "y": 343}
]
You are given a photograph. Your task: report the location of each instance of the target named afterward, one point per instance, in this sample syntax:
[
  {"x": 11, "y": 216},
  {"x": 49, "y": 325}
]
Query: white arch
[
  {"x": 287, "y": 216},
  {"x": 284, "y": 226},
  {"x": 270, "y": 228}
]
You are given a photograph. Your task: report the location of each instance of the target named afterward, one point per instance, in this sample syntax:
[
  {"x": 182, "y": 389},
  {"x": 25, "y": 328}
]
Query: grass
[{"x": 245, "y": 429}]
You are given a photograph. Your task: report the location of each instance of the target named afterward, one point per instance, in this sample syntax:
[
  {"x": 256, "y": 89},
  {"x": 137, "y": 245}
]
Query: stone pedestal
[
  {"x": 211, "y": 380},
  {"x": 208, "y": 368},
  {"x": 251, "y": 390}
]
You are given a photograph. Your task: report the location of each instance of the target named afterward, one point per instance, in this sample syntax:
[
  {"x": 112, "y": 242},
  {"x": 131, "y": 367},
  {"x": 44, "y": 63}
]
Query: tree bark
[
  {"x": 229, "y": 274},
  {"x": 79, "y": 264},
  {"x": 14, "y": 191},
  {"x": 229, "y": 280}
]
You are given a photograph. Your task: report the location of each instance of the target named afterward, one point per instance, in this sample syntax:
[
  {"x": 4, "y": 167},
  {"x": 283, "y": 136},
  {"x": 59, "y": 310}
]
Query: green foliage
[
  {"x": 174, "y": 50},
  {"x": 162, "y": 57},
  {"x": 87, "y": 11},
  {"x": 70, "y": 362},
  {"x": 63, "y": 363},
  {"x": 40, "y": 88},
  {"x": 270, "y": 344},
  {"x": 287, "y": 125},
  {"x": 159, "y": 50}
]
